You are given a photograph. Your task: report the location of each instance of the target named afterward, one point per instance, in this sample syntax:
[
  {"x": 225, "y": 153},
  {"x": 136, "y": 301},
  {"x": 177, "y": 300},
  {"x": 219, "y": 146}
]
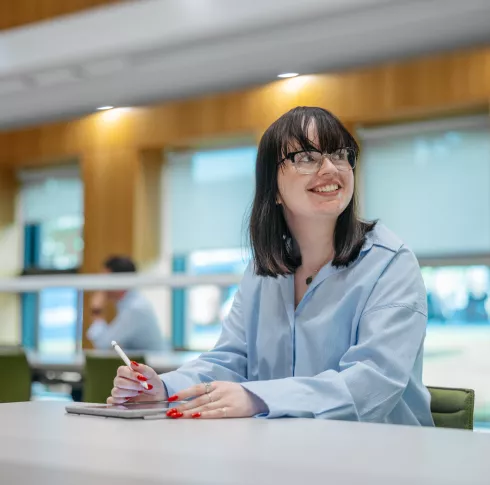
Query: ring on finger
[{"x": 207, "y": 387}]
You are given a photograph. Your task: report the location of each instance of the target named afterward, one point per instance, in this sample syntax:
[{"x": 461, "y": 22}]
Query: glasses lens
[
  {"x": 308, "y": 162},
  {"x": 344, "y": 158}
]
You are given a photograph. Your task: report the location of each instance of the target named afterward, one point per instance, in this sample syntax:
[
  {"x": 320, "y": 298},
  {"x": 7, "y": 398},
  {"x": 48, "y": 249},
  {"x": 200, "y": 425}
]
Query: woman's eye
[
  {"x": 307, "y": 158},
  {"x": 341, "y": 154}
]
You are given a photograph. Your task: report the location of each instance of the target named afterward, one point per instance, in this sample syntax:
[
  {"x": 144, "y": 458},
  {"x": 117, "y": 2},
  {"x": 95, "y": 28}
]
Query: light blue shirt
[
  {"x": 134, "y": 328},
  {"x": 351, "y": 350}
]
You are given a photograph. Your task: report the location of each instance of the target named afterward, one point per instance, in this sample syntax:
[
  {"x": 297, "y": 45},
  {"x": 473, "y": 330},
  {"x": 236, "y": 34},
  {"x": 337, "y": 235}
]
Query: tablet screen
[{"x": 142, "y": 405}]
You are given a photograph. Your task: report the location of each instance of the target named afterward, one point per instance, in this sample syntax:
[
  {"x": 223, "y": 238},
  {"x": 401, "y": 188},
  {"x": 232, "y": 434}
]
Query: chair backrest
[
  {"x": 99, "y": 374},
  {"x": 15, "y": 377},
  {"x": 452, "y": 408}
]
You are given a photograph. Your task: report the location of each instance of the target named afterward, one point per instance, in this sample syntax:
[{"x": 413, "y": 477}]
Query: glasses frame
[{"x": 290, "y": 157}]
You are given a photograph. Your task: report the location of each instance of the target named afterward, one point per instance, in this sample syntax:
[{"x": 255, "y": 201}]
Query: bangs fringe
[{"x": 290, "y": 132}]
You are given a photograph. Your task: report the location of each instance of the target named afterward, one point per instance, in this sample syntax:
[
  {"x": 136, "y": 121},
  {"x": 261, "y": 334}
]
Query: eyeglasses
[{"x": 310, "y": 162}]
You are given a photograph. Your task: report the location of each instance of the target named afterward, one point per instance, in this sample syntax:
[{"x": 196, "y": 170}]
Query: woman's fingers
[
  {"x": 138, "y": 379},
  {"x": 140, "y": 375},
  {"x": 143, "y": 370},
  {"x": 209, "y": 399},
  {"x": 208, "y": 411},
  {"x": 116, "y": 400},
  {"x": 123, "y": 393},
  {"x": 129, "y": 384},
  {"x": 193, "y": 391},
  {"x": 125, "y": 372},
  {"x": 203, "y": 400},
  {"x": 218, "y": 413}
]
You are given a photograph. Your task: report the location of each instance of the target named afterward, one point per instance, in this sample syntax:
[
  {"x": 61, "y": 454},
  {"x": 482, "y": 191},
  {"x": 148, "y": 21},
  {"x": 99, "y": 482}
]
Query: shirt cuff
[
  {"x": 259, "y": 389},
  {"x": 176, "y": 381}
]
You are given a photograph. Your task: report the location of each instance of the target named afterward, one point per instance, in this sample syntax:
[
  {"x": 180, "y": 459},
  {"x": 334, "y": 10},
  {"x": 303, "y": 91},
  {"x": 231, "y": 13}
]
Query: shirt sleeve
[
  {"x": 226, "y": 362},
  {"x": 122, "y": 329},
  {"x": 98, "y": 327},
  {"x": 374, "y": 372}
]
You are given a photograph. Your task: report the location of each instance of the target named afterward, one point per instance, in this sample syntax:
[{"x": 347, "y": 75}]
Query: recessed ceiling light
[
  {"x": 104, "y": 108},
  {"x": 288, "y": 74}
]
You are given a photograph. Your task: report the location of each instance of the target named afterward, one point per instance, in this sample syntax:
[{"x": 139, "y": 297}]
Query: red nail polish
[
  {"x": 150, "y": 387},
  {"x": 196, "y": 415},
  {"x": 141, "y": 378},
  {"x": 134, "y": 363},
  {"x": 171, "y": 412},
  {"x": 140, "y": 392},
  {"x": 177, "y": 415},
  {"x": 173, "y": 398}
]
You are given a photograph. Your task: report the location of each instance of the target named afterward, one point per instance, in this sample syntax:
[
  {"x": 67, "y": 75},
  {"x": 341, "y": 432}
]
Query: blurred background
[{"x": 130, "y": 128}]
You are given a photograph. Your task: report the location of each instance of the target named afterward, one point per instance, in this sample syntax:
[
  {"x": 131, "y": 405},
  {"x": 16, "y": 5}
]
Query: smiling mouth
[{"x": 326, "y": 188}]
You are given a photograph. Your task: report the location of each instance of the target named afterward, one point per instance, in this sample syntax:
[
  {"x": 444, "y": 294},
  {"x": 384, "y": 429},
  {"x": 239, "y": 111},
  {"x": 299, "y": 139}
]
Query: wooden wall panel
[
  {"x": 10, "y": 257},
  {"x": 146, "y": 211},
  {"x": 8, "y": 192},
  {"x": 15, "y": 13},
  {"x": 108, "y": 201},
  {"x": 458, "y": 81},
  {"x": 122, "y": 190}
]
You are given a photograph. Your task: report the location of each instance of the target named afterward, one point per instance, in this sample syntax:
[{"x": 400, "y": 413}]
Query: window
[
  {"x": 52, "y": 203},
  {"x": 210, "y": 194},
  {"x": 59, "y": 318},
  {"x": 430, "y": 184},
  {"x": 458, "y": 295},
  {"x": 61, "y": 243},
  {"x": 51, "y": 211}
]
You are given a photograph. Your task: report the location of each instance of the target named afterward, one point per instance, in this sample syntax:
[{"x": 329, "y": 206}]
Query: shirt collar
[{"x": 287, "y": 282}]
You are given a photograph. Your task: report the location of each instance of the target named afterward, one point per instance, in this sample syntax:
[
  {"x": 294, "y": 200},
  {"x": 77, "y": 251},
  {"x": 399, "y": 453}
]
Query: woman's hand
[
  {"x": 128, "y": 385},
  {"x": 217, "y": 400}
]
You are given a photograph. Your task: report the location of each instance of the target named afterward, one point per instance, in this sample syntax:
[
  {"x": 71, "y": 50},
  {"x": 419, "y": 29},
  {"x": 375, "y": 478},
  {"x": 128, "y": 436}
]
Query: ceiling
[{"x": 152, "y": 50}]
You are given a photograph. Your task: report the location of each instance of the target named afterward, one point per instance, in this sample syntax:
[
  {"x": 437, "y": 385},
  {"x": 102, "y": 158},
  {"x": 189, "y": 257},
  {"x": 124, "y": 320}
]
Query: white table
[
  {"x": 160, "y": 361},
  {"x": 41, "y": 445}
]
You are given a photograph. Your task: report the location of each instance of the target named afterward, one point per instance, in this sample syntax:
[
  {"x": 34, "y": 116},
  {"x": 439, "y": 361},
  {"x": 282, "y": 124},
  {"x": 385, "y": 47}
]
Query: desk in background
[
  {"x": 49, "y": 371},
  {"x": 160, "y": 361}
]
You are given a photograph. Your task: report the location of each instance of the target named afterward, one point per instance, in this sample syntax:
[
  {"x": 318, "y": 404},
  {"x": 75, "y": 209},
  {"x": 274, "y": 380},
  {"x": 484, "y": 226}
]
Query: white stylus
[{"x": 124, "y": 357}]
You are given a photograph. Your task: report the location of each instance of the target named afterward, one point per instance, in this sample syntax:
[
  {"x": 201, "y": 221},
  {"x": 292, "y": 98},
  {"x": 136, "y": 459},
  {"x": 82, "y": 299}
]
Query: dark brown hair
[
  {"x": 270, "y": 238},
  {"x": 120, "y": 264}
]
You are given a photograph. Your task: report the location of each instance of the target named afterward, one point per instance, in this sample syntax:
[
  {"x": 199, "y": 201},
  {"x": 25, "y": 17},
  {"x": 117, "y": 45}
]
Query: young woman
[{"x": 330, "y": 318}]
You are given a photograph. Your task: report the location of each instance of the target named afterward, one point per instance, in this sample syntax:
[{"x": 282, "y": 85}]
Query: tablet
[{"x": 130, "y": 410}]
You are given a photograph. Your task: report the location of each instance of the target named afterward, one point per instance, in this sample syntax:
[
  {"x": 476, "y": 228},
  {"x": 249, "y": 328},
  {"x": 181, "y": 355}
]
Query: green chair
[
  {"x": 15, "y": 376},
  {"x": 452, "y": 408},
  {"x": 99, "y": 374}
]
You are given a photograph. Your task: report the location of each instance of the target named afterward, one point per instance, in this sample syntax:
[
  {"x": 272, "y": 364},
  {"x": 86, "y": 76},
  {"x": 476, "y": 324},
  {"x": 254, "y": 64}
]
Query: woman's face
[{"x": 324, "y": 194}]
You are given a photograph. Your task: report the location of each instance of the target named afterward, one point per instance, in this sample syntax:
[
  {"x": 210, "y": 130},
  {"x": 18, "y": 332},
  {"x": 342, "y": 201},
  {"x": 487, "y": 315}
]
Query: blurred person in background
[
  {"x": 136, "y": 325},
  {"x": 330, "y": 317},
  {"x": 475, "y": 310}
]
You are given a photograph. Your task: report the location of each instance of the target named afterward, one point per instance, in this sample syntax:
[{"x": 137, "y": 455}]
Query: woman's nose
[{"x": 327, "y": 166}]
